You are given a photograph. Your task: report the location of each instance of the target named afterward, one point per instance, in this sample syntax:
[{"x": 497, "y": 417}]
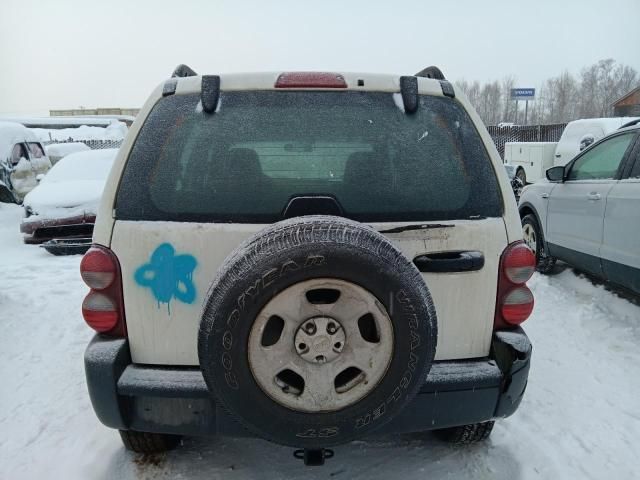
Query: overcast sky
[{"x": 111, "y": 53}]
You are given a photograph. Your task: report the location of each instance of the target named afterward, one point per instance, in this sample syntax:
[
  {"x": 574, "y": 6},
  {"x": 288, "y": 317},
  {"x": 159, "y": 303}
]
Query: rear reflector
[
  {"x": 514, "y": 301},
  {"x": 100, "y": 312},
  {"x": 310, "y": 80}
]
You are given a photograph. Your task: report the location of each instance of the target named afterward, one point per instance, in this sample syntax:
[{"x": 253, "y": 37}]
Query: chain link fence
[
  {"x": 92, "y": 144},
  {"x": 524, "y": 133}
]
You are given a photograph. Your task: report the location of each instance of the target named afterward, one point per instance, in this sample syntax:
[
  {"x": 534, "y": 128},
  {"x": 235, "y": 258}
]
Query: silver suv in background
[{"x": 588, "y": 212}]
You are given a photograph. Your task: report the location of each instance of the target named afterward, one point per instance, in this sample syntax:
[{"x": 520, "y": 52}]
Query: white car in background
[
  {"x": 22, "y": 161},
  {"x": 532, "y": 159},
  {"x": 61, "y": 210},
  {"x": 587, "y": 214},
  {"x": 579, "y": 134}
]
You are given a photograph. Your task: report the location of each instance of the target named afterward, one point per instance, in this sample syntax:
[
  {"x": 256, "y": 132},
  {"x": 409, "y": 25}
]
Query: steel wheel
[
  {"x": 529, "y": 236},
  {"x": 320, "y": 345}
]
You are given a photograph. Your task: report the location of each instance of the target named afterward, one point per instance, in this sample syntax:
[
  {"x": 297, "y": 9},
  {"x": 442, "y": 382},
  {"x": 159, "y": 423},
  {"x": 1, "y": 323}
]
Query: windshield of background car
[{"x": 244, "y": 162}]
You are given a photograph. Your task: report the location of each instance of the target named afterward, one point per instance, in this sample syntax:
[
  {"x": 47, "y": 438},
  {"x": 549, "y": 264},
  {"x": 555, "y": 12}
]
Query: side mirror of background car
[
  {"x": 586, "y": 140},
  {"x": 555, "y": 174}
]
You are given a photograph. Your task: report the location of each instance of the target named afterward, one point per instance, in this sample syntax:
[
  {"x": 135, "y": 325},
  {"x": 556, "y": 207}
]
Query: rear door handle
[
  {"x": 445, "y": 262},
  {"x": 594, "y": 196},
  {"x": 558, "y": 155}
]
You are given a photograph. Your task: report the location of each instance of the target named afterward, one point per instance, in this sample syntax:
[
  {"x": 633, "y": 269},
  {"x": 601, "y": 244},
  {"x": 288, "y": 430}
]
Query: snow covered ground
[{"x": 580, "y": 417}]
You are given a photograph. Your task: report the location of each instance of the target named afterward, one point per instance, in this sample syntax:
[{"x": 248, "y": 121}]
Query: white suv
[{"x": 308, "y": 257}]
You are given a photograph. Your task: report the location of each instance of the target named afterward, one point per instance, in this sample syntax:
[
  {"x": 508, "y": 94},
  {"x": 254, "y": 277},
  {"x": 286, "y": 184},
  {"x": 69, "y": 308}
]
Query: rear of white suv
[{"x": 354, "y": 173}]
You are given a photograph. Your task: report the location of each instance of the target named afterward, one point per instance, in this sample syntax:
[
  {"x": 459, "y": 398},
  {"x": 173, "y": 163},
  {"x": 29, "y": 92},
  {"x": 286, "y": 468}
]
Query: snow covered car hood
[
  {"x": 73, "y": 186},
  {"x": 63, "y": 199}
]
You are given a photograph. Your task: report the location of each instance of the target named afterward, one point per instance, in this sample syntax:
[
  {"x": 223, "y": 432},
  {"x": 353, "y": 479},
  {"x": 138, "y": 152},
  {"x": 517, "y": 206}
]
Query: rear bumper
[
  {"x": 40, "y": 231},
  {"x": 176, "y": 399}
]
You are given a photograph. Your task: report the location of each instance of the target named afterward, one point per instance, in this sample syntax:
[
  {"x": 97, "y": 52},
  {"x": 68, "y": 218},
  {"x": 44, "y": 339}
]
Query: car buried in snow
[
  {"x": 60, "y": 212},
  {"x": 22, "y": 161}
]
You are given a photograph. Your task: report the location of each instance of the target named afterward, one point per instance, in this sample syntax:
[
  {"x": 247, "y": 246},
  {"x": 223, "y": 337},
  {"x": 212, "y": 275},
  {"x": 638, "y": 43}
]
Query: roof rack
[
  {"x": 436, "y": 74},
  {"x": 631, "y": 123},
  {"x": 431, "y": 72},
  {"x": 183, "y": 70}
]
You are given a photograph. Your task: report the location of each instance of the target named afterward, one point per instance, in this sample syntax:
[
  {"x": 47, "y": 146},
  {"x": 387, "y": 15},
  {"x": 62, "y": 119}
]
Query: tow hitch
[{"x": 313, "y": 457}]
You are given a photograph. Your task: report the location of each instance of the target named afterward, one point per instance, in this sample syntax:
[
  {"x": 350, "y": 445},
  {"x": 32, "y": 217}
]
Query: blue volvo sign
[{"x": 523, "y": 93}]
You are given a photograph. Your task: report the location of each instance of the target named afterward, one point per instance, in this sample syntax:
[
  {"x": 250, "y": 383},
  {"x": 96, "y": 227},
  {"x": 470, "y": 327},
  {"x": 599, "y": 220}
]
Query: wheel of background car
[
  {"x": 522, "y": 175},
  {"x": 466, "y": 434},
  {"x": 316, "y": 331},
  {"x": 533, "y": 237},
  {"x": 6, "y": 196}
]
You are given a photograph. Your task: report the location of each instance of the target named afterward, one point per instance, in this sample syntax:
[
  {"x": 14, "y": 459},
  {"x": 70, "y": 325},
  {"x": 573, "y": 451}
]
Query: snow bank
[
  {"x": 115, "y": 131},
  {"x": 73, "y": 186}
]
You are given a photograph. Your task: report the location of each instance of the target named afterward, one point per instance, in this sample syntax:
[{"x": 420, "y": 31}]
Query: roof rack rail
[
  {"x": 631, "y": 123},
  {"x": 431, "y": 72},
  {"x": 183, "y": 70}
]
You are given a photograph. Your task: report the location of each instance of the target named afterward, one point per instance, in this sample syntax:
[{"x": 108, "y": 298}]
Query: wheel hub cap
[
  {"x": 320, "y": 340},
  {"x": 320, "y": 345}
]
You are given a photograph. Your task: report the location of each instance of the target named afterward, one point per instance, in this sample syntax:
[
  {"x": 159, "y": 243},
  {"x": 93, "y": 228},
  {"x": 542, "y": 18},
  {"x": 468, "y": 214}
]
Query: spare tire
[{"x": 316, "y": 331}]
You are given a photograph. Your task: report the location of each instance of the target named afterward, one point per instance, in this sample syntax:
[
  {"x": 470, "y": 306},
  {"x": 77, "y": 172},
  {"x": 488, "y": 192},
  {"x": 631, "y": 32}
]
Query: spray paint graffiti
[{"x": 168, "y": 275}]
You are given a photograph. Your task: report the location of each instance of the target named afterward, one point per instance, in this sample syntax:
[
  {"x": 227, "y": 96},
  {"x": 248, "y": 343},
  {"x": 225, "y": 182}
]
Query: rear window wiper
[{"x": 421, "y": 226}]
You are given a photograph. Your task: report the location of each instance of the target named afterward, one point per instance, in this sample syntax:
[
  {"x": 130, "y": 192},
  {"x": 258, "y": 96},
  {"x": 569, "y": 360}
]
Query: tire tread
[
  {"x": 467, "y": 434},
  {"x": 146, "y": 442}
]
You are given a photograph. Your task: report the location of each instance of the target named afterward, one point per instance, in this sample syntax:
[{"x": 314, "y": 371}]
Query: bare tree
[
  {"x": 509, "y": 107},
  {"x": 560, "y": 99}
]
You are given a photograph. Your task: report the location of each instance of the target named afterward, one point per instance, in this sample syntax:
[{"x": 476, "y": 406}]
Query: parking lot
[{"x": 580, "y": 415}]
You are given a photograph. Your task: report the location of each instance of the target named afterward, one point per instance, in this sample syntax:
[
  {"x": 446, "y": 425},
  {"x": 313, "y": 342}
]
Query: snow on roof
[
  {"x": 88, "y": 165},
  {"x": 12, "y": 133},
  {"x": 62, "y": 149},
  {"x": 58, "y": 122},
  {"x": 607, "y": 124},
  {"x": 114, "y": 131}
]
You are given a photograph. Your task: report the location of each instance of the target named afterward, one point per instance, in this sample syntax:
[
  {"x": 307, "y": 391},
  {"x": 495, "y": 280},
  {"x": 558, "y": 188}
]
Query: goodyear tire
[{"x": 275, "y": 267}]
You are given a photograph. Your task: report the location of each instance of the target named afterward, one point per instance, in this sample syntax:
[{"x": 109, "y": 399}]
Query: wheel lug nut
[{"x": 310, "y": 328}]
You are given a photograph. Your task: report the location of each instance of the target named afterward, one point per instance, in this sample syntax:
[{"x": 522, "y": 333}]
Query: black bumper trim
[
  {"x": 176, "y": 399},
  {"x": 149, "y": 381}
]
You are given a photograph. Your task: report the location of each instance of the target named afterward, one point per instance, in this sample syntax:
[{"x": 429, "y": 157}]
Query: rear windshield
[{"x": 260, "y": 149}]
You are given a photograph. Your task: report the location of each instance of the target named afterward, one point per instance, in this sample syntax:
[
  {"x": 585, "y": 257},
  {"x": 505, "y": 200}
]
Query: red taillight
[
  {"x": 310, "y": 80},
  {"x": 100, "y": 312},
  {"x": 519, "y": 263},
  {"x": 514, "y": 301},
  {"x": 103, "y": 307},
  {"x": 517, "y": 305},
  {"x": 98, "y": 269}
]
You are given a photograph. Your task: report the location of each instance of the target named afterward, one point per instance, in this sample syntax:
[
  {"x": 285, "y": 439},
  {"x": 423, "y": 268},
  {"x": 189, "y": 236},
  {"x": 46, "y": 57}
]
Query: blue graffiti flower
[{"x": 168, "y": 275}]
